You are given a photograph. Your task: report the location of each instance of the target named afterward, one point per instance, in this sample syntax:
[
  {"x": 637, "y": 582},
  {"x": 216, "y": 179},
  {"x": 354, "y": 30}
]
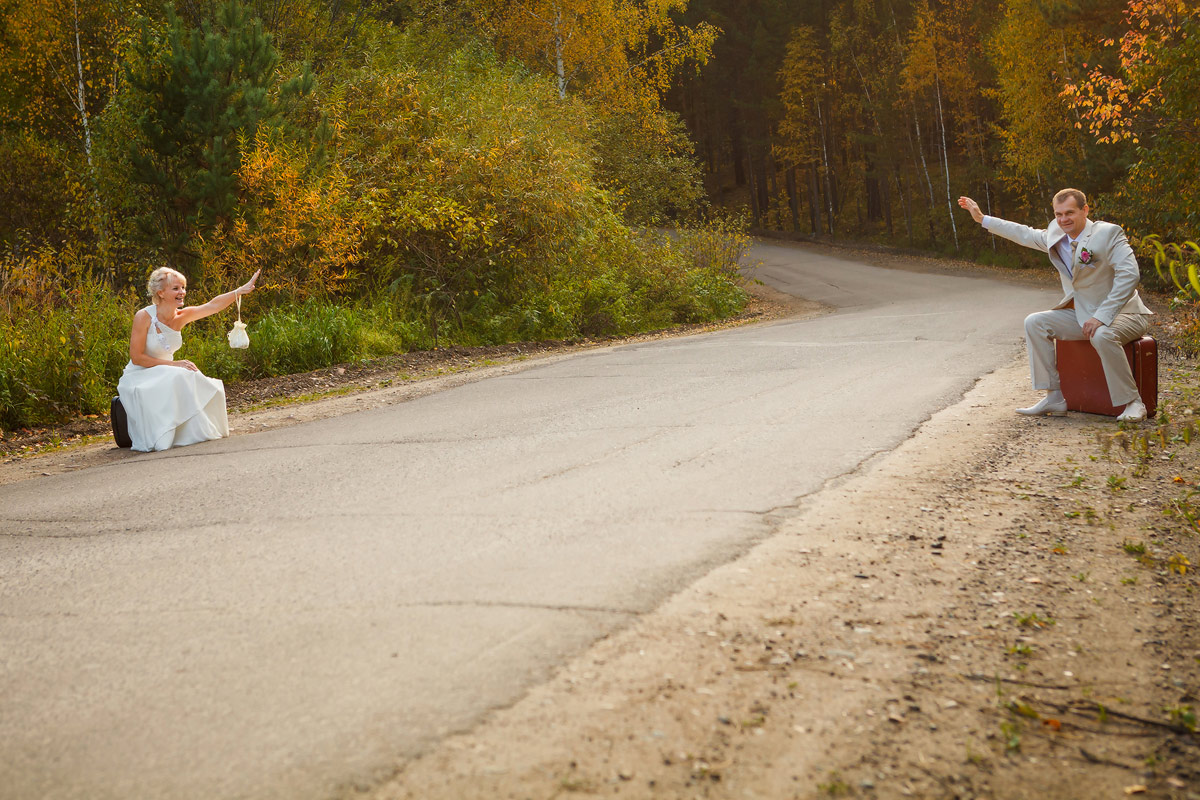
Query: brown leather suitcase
[{"x": 1082, "y": 377}]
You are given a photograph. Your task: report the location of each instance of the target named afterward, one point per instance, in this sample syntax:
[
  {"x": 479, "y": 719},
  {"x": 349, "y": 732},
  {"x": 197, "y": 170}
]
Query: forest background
[{"x": 412, "y": 173}]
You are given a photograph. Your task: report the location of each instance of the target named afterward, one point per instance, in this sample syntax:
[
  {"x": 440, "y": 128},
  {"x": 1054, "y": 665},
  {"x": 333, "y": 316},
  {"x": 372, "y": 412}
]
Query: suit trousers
[{"x": 1043, "y": 327}]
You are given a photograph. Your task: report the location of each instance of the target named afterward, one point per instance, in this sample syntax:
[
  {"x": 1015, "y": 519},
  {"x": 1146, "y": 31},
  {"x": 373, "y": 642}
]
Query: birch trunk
[
  {"x": 560, "y": 71},
  {"x": 925, "y": 167},
  {"x": 81, "y": 106},
  {"x": 793, "y": 192},
  {"x": 81, "y": 95},
  {"x": 825, "y": 159},
  {"x": 945, "y": 155}
]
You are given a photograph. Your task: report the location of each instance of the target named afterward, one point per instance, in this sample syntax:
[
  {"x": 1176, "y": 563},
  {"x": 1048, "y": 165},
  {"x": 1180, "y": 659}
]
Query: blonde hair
[{"x": 158, "y": 278}]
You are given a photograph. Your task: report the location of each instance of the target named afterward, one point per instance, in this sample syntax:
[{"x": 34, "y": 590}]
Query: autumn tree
[
  {"x": 936, "y": 69},
  {"x": 59, "y": 67},
  {"x": 200, "y": 89},
  {"x": 802, "y": 140},
  {"x": 1039, "y": 145},
  {"x": 1148, "y": 101},
  {"x": 59, "y": 63},
  {"x": 617, "y": 51}
]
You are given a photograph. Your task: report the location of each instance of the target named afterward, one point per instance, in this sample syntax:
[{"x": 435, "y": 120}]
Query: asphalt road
[{"x": 291, "y": 614}]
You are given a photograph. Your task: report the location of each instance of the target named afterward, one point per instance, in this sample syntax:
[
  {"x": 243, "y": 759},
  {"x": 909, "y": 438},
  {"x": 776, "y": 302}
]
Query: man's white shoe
[
  {"x": 1134, "y": 412},
  {"x": 1049, "y": 405}
]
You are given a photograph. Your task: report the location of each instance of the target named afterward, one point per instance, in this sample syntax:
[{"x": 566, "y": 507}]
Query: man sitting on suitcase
[{"x": 1100, "y": 302}]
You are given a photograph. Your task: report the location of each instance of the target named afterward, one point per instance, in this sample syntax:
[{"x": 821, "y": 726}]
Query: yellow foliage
[
  {"x": 803, "y": 79},
  {"x": 1112, "y": 103},
  {"x": 38, "y": 66},
  {"x": 625, "y": 53},
  {"x": 294, "y": 226}
]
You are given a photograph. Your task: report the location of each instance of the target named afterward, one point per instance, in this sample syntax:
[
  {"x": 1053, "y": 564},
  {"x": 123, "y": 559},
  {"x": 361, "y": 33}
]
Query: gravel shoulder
[{"x": 999, "y": 608}]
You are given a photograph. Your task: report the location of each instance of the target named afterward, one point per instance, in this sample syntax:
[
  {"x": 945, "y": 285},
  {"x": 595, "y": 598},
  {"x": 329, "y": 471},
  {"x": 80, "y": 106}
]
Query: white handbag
[{"x": 238, "y": 338}]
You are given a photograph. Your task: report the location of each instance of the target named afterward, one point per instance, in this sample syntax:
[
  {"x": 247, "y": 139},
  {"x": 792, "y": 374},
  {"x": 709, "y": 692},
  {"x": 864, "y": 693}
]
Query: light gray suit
[{"x": 1101, "y": 284}]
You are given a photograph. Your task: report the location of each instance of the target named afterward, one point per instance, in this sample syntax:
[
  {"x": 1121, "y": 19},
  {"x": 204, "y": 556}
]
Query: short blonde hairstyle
[
  {"x": 159, "y": 277},
  {"x": 1079, "y": 197}
]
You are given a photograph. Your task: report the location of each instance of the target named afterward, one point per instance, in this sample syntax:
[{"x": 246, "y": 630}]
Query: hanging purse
[{"x": 238, "y": 338}]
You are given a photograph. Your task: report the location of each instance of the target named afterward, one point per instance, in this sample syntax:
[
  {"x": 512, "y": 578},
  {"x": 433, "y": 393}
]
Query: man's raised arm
[{"x": 1014, "y": 232}]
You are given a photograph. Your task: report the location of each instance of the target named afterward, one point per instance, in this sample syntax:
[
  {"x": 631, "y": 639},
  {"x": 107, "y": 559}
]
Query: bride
[{"x": 171, "y": 403}]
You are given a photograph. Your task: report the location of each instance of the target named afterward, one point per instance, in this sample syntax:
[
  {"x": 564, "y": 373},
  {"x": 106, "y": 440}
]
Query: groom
[{"x": 1100, "y": 302}]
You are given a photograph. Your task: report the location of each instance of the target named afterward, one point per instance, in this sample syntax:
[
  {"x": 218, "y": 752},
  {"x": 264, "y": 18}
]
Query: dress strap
[{"x": 156, "y": 325}]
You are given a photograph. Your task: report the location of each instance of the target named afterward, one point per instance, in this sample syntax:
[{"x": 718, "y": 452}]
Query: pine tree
[{"x": 211, "y": 88}]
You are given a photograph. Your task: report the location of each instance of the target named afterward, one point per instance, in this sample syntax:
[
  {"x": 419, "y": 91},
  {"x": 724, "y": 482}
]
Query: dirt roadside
[{"x": 997, "y": 609}]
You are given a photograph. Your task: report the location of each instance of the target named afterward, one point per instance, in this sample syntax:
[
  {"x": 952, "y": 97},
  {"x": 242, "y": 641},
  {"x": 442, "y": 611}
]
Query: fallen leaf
[
  {"x": 1135, "y": 789},
  {"x": 1053, "y": 724},
  {"x": 1176, "y": 783}
]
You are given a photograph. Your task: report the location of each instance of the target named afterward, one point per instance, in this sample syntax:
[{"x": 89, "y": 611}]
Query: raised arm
[
  {"x": 1014, "y": 232},
  {"x": 218, "y": 303}
]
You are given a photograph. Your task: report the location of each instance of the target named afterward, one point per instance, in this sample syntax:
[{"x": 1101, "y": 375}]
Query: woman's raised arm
[{"x": 218, "y": 303}]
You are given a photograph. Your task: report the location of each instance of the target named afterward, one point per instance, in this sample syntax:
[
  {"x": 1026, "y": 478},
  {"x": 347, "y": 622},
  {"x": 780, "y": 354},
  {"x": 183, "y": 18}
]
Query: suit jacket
[{"x": 1103, "y": 287}]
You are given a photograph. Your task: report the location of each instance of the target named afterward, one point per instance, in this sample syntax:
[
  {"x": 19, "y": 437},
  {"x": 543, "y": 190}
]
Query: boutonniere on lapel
[{"x": 1085, "y": 256}]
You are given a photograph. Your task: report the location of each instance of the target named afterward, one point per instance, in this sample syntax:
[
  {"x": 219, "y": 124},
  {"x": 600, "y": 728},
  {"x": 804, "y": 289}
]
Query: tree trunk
[
  {"x": 887, "y": 204},
  {"x": 761, "y": 182},
  {"x": 828, "y": 170},
  {"x": 928, "y": 181},
  {"x": 773, "y": 183},
  {"x": 814, "y": 200},
  {"x": 559, "y": 69},
  {"x": 945, "y": 154},
  {"x": 793, "y": 197},
  {"x": 905, "y": 203},
  {"x": 81, "y": 105},
  {"x": 738, "y": 151},
  {"x": 752, "y": 185}
]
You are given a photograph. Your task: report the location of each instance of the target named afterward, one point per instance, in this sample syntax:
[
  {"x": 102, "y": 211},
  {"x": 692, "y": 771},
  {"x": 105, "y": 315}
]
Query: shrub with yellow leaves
[{"x": 293, "y": 222}]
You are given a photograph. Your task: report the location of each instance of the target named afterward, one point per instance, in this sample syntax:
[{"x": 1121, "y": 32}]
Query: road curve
[{"x": 292, "y": 614}]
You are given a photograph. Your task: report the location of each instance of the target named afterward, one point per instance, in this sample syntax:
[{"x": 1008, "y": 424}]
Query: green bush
[{"x": 64, "y": 359}]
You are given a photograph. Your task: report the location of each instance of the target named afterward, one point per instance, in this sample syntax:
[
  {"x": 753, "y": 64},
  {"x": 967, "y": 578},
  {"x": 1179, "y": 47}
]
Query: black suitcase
[{"x": 120, "y": 423}]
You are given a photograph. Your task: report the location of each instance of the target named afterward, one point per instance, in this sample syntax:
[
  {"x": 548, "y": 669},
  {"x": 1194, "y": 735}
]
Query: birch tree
[{"x": 615, "y": 51}]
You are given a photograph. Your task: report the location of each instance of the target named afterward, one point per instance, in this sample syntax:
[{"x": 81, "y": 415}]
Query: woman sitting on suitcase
[{"x": 170, "y": 403}]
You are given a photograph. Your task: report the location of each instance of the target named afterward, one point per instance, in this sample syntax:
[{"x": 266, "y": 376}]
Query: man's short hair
[{"x": 1079, "y": 197}]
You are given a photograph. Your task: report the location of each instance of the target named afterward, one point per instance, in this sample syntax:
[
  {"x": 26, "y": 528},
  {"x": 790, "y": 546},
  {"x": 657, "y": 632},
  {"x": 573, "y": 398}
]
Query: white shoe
[
  {"x": 1050, "y": 405},
  {"x": 1134, "y": 412}
]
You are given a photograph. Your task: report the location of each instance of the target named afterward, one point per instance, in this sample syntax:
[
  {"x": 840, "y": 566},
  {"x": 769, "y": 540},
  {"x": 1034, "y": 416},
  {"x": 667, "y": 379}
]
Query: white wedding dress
[{"x": 170, "y": 406}]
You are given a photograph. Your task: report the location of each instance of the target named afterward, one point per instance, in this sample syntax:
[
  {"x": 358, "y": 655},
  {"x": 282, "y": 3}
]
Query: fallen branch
[
  {"x": 1098, "y": 760},
  {"x": 975, "y": 676}
]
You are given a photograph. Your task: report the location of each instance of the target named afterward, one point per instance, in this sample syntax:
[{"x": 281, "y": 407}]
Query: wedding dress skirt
[{"x": 170, "y": 406}]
